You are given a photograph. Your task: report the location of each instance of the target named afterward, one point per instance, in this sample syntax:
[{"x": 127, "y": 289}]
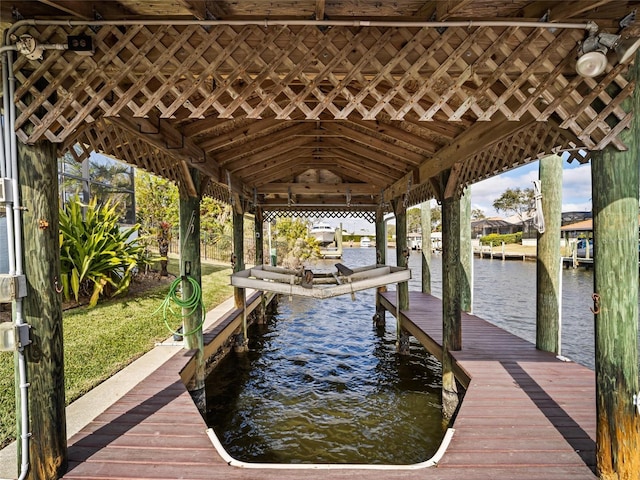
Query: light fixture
[{"x": 592, "y": 55}]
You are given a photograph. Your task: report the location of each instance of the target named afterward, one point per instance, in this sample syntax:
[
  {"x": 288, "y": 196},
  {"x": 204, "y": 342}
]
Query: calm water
[
  {"x": 321, "y": 385},
  {"x": 505, "y": 295}
]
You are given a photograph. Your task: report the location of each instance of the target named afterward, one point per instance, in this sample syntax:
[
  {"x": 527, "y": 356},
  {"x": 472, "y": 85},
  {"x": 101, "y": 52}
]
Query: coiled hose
[{"x": 189, "y": 305}]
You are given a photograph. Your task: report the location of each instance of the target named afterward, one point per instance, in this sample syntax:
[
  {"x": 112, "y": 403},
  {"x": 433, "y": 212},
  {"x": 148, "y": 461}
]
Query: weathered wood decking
[{"x": 525, "y": 415}]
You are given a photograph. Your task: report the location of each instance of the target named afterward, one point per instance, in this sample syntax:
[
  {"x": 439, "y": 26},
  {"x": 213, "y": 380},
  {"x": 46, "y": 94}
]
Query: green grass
[{"x": 102, "y": 340}]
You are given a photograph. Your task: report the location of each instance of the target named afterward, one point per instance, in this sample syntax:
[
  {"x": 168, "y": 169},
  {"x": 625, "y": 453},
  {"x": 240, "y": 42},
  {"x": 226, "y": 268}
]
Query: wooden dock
[{"x": 525, "y": 415}]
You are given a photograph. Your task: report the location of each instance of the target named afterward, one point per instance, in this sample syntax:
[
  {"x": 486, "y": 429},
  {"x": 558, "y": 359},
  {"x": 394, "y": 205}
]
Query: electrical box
[
  {"x": 5, "y": 190},
  {"x": 12, "y": 287},
  {"x": 81, "y": 44}
]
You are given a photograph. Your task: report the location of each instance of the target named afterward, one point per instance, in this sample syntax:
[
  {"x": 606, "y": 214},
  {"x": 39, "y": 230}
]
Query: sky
[
  {"x": 576, "y": 187},
  {"x": 576, "y": 192}
]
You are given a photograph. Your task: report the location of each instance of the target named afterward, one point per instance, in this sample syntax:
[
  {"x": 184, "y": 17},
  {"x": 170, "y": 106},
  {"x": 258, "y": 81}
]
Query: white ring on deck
[{"x": 433, "y": 461}]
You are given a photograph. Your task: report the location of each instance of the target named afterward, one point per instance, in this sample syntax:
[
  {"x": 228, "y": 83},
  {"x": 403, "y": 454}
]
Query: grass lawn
[{"x": 102, "y": 340}]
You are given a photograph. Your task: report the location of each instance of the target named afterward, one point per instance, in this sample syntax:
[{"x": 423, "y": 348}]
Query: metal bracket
[
  {"x": 22, "y": 334},
  {"x": 12, "y": 287},
  {"x": 150, "y": 133},
  {"x": 5, "y": 190}
]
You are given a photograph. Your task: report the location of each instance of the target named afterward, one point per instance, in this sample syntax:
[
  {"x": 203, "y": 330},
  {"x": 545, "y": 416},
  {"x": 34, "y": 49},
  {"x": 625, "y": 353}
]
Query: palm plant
[{"x": 96, "y": 256}]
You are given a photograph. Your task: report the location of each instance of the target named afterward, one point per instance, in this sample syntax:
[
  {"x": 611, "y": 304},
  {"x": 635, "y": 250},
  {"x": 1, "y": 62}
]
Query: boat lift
[{"x": 306, "y": 283}]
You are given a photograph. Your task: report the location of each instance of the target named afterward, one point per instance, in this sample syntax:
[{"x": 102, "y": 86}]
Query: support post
[
  {"x": 451, "y": 312},
  {"x": 261, "y": 312},
  {"x": 425, "y": 222},
  {"x": 190, "y": 267},
  {"x": 402, "y": 259},
  {"x": 548, "y": 269},
  {"x": 42, "y": 309},
  {"x": 381, "y": 259},
  {"x": 402, "y": 250},
  {"x": 258, "y": 226},
  {"x": 614, "y": 177},
  {"x": 238, "y": 265},
  {"x": 466, "y": 258}
]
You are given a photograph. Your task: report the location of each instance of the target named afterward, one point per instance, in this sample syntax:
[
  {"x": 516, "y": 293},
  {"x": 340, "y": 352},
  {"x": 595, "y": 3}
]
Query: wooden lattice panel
[
  {"x": 178, "y": 72},
  {"x": 272, "y": 215},
  {"x": 521, "y": 147}
]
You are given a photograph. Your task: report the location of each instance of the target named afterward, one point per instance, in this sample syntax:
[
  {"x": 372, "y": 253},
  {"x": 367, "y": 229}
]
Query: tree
[
  {"x": 477, "y": 214},
  {"x": 436, "y": 219},
  {"x": 413, "y": 220},
  {"x": 156, "y": 201},
  {"x": 299, "y": 245},
  {"x": 520, "y": 202}
]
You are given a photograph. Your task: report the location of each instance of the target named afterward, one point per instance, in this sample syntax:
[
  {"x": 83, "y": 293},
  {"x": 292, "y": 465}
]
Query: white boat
[
  {"x": 322, "y": 232},
  {"x": 365, "y": 242}
]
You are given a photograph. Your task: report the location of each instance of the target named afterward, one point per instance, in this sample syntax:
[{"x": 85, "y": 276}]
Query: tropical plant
[{"x": 96, "y": 257}]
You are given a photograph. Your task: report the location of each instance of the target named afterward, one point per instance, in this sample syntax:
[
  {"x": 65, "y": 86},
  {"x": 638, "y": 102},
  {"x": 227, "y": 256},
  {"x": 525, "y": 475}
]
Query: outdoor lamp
[{"x": 592, "y": 55}]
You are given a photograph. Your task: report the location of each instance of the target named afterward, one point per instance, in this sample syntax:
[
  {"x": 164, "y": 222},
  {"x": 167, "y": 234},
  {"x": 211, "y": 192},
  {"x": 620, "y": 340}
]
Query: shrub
[
  {"x": 497, "y": 239},
  {"x": 96, "y": 257}
]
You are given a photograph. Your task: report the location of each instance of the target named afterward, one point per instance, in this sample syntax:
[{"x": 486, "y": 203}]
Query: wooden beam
[
  {"x": 319, "y": 188},
  {"x": 263, "y": 142},
  {"x": 452, "y": 181},
  {"x": 80, "y": 9},
  {"x": 472, "y": 141},
  {"x": 398, "y": 134},
  {"x": 446, "y": 9},
  {"x": 370, "y": 141},
  {"x": 320, "y": 4}
]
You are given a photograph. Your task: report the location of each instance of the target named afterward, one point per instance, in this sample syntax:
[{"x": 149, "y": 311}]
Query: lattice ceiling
[{"x": 317, "y": 118}]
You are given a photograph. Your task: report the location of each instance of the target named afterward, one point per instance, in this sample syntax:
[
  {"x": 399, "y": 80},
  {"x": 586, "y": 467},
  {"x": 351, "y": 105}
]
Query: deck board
[{"x": 525, "y": 415}]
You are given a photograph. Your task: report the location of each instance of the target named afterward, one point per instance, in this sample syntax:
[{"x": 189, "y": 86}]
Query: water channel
[{"x": 321, "y": 385}]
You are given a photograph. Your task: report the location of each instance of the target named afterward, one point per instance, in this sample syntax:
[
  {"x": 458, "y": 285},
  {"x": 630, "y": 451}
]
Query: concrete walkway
[{"x": 96, "y": 401}]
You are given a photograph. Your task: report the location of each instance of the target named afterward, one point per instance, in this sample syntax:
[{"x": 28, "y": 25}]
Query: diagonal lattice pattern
[{"x": 462, "y": 74}]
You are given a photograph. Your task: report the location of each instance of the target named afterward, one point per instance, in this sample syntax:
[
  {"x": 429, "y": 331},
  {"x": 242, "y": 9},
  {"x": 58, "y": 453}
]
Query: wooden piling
[
  {"x": 381, "y": 259},
  {"x": 548, "y": 268},
  {"x": 466, "y": 257},
  {"x": 425, "y": 222},
  {"x": 402, "y": 250},
  {"x": 614, "y": 176},
  {"x": 258, "y": 228},
  {"x": 42, "y": 310},
  {"x": 239, "y": 293},
  {"x": 451, "y": 311},
  {"x": 190, "y": 267}
]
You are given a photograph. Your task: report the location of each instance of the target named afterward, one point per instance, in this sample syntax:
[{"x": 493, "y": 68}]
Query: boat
[
  {"x": 365, "y": 242},
  {"x": 323, "y": 233}
]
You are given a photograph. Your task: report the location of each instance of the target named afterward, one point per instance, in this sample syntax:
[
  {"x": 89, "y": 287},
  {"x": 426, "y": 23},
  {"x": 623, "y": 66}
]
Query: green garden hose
[{"x": 189, "y": 305}]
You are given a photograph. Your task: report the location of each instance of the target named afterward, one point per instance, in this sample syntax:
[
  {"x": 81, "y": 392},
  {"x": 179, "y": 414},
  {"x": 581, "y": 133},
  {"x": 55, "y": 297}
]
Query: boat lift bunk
[{"x": 306, "y": 283}]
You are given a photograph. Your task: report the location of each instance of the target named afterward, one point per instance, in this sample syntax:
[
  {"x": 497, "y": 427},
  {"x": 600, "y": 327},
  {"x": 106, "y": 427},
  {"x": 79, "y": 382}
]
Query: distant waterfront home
[{"x": 486, "y": 226}]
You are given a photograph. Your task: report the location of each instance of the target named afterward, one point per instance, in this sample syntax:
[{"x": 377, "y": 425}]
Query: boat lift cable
[{"x": 187, "y": 306}]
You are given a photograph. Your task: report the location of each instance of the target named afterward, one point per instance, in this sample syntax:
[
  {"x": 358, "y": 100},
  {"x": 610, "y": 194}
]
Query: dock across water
[{"x": 525, "y": 415}]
